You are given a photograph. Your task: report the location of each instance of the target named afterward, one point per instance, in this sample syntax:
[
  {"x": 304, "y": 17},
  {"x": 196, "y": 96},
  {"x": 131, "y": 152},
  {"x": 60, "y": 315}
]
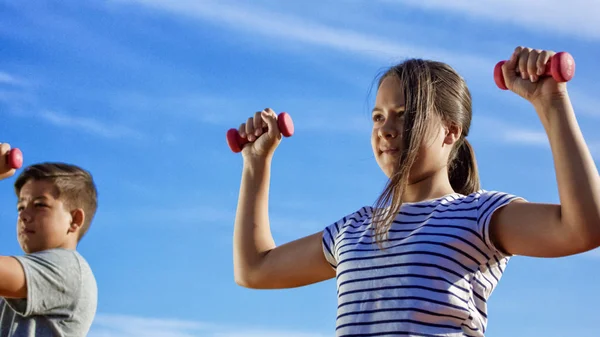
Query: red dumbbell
[
  {"x": 561, "y": 67},
  {"x": 14, "y": 158},
  {"x": 236, "y": 142}
]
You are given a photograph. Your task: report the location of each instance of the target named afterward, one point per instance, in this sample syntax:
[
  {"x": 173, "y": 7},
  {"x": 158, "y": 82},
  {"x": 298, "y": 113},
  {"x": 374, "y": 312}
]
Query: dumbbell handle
[
  {"x": 561, "y": 67},
  {"x": 14, "y": 159},
  {"x": 236, "y": 142}
]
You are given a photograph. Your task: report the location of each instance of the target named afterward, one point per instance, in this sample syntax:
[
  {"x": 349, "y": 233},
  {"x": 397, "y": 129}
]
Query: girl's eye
[
  {"x": 41, "y": 205},
  {"x": 377, "y": 118}
]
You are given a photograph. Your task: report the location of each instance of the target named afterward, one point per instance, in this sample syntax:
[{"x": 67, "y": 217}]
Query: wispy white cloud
[
  {"x": 133, "y": 326},
  {"x": 222, "y": 111},
  {"x": 23, "y": 102},
  {"x": 524, "y": 137},
  {"x": 495, "y": 129},
  {"x": 198, "y": 106},
  {"x": 283, "y": 225},
  {"x": 511, "y": 134},
  {"x": 293, "y": 29},
  {"x": 106, "y": 325},
  {"x": 585, "y": 104},
  {"x": 578, "y": 18},
  {"x": 6, "y": 78},
  {"x": 89, "y": 125}
]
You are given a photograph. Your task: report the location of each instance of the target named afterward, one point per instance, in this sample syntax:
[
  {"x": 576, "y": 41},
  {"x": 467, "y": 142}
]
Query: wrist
[
  {"x": 256, "y": 163},
  {"x": 557, "y": 100},
  {"x": 550, "y": 107}
]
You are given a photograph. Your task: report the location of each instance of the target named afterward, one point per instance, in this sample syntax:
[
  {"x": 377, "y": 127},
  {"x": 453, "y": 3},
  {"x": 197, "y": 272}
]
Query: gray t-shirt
[{"x": 62, "y": 296}]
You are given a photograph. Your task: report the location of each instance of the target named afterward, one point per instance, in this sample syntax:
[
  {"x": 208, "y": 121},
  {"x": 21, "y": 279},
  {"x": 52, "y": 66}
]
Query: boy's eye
[{"x": 40, "y": 205}]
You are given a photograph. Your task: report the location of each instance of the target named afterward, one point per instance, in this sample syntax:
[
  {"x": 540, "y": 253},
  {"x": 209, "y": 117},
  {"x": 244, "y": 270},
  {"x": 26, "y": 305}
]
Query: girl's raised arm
[
  {"x": 258, "y": 262},
  {"x": 573, "y": 226}
]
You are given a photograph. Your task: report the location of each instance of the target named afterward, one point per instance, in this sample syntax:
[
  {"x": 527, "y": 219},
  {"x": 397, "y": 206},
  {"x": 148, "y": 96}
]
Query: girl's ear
[{"x": 453, "y": 133}]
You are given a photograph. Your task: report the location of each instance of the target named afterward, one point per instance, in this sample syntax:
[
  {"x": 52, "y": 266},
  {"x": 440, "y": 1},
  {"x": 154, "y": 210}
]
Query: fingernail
[
  {"x": 257, "y": 133},
  {"x": 540, "y": 71},
  {"x": 532, "y": 78}
]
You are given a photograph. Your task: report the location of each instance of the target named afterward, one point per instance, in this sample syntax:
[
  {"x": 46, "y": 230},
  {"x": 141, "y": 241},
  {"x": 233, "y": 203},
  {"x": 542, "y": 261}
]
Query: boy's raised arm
[
  {"x": 12, "y": 275},
  {"x": 5, "y": 170}
]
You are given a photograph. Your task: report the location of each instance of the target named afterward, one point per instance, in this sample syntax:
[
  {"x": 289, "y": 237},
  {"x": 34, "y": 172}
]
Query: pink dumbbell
[
  {"x": 561, "y": 67},
  {"x": 236, "y": 142},
  {"x": 14, "y": 159}
]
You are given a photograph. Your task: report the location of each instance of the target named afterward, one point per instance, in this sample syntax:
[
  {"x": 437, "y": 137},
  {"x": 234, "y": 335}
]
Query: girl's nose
[{"x": 389, "y": 129}]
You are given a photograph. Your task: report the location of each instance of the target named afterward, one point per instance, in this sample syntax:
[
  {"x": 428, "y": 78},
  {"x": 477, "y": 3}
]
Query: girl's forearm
[
  {"x": 252, "y": 237},
  {"x": 576, "y": 173}
]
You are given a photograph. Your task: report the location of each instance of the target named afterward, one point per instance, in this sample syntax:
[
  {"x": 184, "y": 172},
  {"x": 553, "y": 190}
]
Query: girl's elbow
[
  {"x": 595, "y": 237},
  {"x": 243, "y": 282},
  {"x": 248, "y": 280},
  {"x": 594, "y": 229},
  {"x": 588, "y": 239}
]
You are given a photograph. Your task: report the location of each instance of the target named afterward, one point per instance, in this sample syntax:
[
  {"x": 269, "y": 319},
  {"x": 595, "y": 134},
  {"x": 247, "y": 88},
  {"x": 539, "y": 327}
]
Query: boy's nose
[{"x": 24, "y": 216}]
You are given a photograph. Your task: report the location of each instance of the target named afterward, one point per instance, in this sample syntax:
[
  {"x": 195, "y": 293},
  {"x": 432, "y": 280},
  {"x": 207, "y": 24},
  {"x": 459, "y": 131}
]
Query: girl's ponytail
[{"x": 463, "y": 173}]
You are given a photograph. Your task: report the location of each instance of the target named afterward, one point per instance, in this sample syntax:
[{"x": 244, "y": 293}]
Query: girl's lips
[{"x": 390, "y": 151}]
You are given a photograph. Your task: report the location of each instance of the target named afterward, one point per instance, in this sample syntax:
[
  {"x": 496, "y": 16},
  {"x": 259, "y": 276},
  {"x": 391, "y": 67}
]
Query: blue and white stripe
[{"x": 433, "y": 277}]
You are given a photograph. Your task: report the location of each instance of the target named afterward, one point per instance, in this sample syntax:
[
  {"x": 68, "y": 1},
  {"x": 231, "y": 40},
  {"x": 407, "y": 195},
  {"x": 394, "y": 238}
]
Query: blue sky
[{"x": 141, "y": 93}]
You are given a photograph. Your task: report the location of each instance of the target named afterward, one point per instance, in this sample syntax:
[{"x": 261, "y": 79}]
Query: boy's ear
[
  {"x": 453, "y": 133},
  {"x": 77, "y": 220}
]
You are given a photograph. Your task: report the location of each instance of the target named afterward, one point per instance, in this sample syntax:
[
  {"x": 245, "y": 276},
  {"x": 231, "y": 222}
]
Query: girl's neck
[{"x": 432, "y": 186}]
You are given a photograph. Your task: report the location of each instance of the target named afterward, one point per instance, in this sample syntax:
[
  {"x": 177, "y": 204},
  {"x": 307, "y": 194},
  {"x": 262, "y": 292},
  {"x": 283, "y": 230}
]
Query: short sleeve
[
  {"x": 53, "y": 283},
  {"x": 489, "y": 202},
  {"x": 333, "y": 233},
  {"x": 330, "y": 234}
]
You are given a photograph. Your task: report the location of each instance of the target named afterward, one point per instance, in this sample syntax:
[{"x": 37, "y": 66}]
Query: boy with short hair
[{"x": 51, "y": 290}]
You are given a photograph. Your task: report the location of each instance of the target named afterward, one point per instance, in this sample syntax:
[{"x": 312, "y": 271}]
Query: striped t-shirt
[{"x": 433, "y": 278}]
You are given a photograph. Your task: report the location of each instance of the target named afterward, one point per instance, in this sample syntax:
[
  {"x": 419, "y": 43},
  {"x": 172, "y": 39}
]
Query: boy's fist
[{"x": 10, "y": 160}]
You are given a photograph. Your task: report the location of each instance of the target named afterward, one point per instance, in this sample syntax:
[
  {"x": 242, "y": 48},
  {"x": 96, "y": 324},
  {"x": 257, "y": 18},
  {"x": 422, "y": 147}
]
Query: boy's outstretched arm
[
  {"x": 12, "y": 278},
  {"x": 258, "y": 262},
  {"x": 12, "y": 275},
  {"x": 573, "y": 226}
]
